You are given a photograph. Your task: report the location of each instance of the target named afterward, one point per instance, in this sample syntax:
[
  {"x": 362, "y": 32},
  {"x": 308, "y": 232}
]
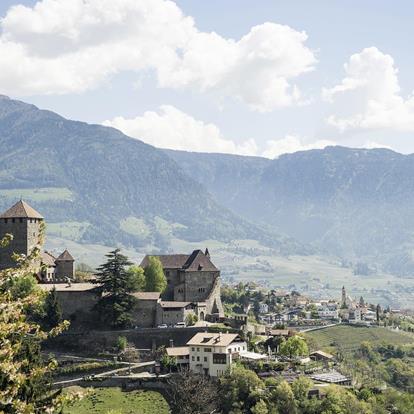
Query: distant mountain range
[
  {"x": 354, "y": 203},
  {"x": 94, "y": 184}
]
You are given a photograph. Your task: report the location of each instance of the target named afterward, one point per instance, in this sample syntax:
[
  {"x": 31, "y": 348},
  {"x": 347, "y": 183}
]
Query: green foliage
[
  {"x": 121, "y": 343},
  {"x": 24, "y": 375},
  {"x": 191, "y": 319},
  {"x": 53, "y": 309},
  {"x": 155, "y": 280},
  {"x": 295, "y": 346},
  {"x": 116, "y": 304},
  {"x": 136, "y": 278}
]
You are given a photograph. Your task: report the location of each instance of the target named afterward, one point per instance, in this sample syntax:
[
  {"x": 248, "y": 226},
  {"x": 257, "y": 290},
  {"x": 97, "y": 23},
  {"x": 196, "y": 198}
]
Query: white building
[
  {"x": 328, "y": 312},
  {"x": 263, "y": 308},
  {"x": 212, "y": 353}
]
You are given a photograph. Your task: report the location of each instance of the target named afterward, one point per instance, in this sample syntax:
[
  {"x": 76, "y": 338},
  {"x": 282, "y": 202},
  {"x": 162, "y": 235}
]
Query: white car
[
  {"x": 162, "y": 326},
  {"x": 179, "y": 325}
]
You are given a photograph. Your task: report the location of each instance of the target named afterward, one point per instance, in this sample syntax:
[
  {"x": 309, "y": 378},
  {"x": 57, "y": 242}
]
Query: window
[
  {"x": 229, "y": 351},
  {"x": 192, "y": 358},
  {"x": 205, "y": 359},
  {"x": 207, "y": 349},
  {"x": 198, "y": 349},
  {"x": 219, "y": 359},
  {"x": 193, "y": 349},
  {"x": 198, "y": 358},
  {"x": 201, "y": 289},
  {"x": 13, "y": 220},
  {"x": 21, "y": 220}
]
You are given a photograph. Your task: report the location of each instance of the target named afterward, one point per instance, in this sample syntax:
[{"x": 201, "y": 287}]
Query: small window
[
  {"x": 192, "y": 358},
  {"x": 13, "y": 220},
  {"x": 21, "y": 220},
  {"x": 198, "y": 349},
  {"x": 207, "y": 349},
  {"x": 198, "y": 358},
  {"x": 193, "y": 349},
  {"x": 205, "y": 359}
]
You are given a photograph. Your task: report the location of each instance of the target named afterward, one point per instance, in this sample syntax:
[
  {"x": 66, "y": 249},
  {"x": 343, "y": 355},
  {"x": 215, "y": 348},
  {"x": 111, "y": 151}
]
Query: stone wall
[
  {"x": 25, "y": 236},
  {"x": 198, "y": 285},
  {"x": 76, "y": 304},
  {"x": 65, "y": 269},
  {"x": 145, "y": 313}
]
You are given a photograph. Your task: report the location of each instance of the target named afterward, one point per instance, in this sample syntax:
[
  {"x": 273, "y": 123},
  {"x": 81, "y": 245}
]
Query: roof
[
  {"x": 213, "y": 339},
  {"x": 48, "y": 259},
  {"x": 174, "y": 304},
  {"x": 322, "y": 354},
  {"x": 168, "y": 261},
  {"x": 279, "y": 332},
  {"x": 147, "y": 295},
  {"x": 65, "y": 256},
  {"x": 21, "y": 210},
  {"x": 178, "y": 351},
  {"x": 65, "y": 287},
  {"x": 252, "y": 355},
  {"x": 197, "y": 260}
]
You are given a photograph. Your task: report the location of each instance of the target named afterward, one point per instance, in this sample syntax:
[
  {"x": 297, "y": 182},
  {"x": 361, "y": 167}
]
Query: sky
[{"x": 261, "y": 77}]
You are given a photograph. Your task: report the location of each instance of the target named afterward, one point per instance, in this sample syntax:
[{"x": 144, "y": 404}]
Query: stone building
[
  {"x": 26, "y": 224},
  {"x": 192, "y": 279}
]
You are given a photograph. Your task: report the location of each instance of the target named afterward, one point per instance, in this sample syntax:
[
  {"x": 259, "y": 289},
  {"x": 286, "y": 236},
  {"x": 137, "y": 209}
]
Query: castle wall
[
  {"x": 173, "y": 279},
  {"x": 76, "y": 303},
  {"x": 199, "y": 284},
  {"x": 145, "y": 313}
]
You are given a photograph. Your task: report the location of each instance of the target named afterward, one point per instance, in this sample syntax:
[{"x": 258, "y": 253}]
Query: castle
[
  {"x": 25, "y": 224},
  {"x": 193, "y": 281}
]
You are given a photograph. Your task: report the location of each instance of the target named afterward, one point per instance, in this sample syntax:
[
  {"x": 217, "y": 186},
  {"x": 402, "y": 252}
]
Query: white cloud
[
  {"x": 291, "y": 144},
  {"x": 62, "y": 46},
  {"x": 174, "y": 129},
  {"x": 369, "y": 96}
]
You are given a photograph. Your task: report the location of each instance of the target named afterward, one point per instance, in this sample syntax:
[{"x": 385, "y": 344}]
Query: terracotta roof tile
[{"x": 147, "y": 295}]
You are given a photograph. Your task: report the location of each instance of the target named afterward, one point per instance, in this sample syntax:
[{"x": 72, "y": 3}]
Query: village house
[{"x": 212, "y": 353}]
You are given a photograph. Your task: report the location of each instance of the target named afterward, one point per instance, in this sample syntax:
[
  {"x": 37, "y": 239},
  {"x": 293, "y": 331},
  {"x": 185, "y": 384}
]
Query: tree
[
  {"x": 136, "y": 278},
  {"x": 191, "y": 319},
  {"x": 191, "y": 393},
  {"x": 115, "y": 304},
  {"x": 300, "y": 388},
  {"x": 260, "y": 408},
  {"x": 294, "y": 346},
  {"x": 240, "y": 389},
  {"x": 155, "y": 280},
  {"x": 24, "y": 375},
  {"x": 121, "y": 343},
  {"x": 53, "y": 310},
  {"x": 282, "y": 397}
]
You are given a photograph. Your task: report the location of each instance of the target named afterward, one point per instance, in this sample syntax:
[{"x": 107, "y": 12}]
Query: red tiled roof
[
  {"x": 21, "y": 210},
  {"x": 168, "y": 261}
]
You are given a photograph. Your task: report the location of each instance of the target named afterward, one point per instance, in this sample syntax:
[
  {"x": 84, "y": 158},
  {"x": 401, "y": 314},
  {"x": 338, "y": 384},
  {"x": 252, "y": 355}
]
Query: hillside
[
  {"x": 96, "y": 185},
  {"x": 353, "y": 203}
]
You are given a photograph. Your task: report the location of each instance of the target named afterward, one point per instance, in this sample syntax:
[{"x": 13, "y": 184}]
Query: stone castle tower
[{"x": 24, "y": 223}]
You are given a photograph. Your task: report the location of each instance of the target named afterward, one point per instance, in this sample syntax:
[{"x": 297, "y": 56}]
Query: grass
[
  {"x": 348, "y": 338},
  {"x": 68, "y": 229},
  {"x": 103, "y": 400}
]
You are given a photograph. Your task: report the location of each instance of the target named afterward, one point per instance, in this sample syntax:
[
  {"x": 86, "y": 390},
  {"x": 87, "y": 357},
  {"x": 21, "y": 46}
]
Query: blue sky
[{"x": 262, "y": 91}]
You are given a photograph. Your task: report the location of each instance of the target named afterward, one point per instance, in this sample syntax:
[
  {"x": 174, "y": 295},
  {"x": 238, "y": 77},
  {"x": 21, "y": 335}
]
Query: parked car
[
  {"x": 179, "y": 325},
  {"x": 162, "y": 326}
]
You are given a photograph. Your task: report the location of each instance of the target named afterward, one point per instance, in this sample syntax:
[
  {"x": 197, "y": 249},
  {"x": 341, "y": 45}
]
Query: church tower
[
  {"x": 343, "y": 299},
  {"x": 24, "y": 223}
]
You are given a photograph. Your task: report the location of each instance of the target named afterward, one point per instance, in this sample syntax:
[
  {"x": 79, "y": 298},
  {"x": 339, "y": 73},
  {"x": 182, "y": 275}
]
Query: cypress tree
[
  {"x": 53, "y": 309},
  {"x": 155, "y": 280}
]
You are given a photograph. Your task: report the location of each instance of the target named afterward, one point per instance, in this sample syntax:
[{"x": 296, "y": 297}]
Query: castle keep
[{"x": 25, "y": 224}]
